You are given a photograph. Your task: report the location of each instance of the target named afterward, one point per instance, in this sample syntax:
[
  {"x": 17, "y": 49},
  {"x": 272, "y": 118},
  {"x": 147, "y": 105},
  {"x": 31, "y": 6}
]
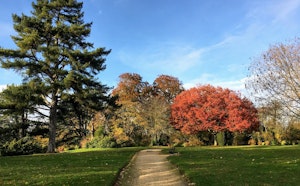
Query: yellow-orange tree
[{"x": 145, "y": 108}]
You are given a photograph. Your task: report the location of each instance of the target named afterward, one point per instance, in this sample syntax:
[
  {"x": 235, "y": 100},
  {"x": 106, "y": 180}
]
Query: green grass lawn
[
  {"x": 81, "y": 167},
  {"x": 251, "y": 165}
]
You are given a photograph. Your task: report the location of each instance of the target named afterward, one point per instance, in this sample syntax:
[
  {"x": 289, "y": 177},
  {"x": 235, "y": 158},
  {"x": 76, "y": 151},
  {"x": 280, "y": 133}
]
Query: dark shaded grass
[
  {"x": 84, "y": 167},
  {"x": 251, "y": 165}
]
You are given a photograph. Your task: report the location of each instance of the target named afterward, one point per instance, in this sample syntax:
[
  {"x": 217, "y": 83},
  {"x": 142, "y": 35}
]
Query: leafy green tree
[
  {"x": 53, "y": 54},
  {"x": 17, "y": 103}
]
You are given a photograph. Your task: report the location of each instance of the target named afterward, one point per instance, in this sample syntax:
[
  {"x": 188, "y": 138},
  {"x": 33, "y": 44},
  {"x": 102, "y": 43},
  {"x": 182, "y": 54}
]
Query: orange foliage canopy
[
  {"x": 131, "y": 88},
  {"x": 214, "y": 109},
  {"x": 168, "y": 87}
]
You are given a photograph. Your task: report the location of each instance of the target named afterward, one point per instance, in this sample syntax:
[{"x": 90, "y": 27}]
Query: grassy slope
[
  {"x": 267, "y": 165},
  {"x": 84, "y": 167}
]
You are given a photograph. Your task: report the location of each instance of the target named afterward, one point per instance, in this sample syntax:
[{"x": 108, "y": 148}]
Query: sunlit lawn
[
  {"x": 84, "y": 167},
  {"x": 267, "y": 165}
]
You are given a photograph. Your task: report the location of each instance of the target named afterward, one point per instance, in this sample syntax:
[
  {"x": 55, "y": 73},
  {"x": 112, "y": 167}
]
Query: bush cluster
[
  {"x": 23, "y": 146},
  {"x": 104, "y": 142}
]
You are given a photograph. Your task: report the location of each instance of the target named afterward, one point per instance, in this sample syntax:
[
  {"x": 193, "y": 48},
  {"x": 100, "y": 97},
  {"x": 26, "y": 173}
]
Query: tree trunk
[
  {"x": 215, "y": 139},
  {"x": 221, "y": 138},
  {"x": 235, "y": 138},
  {"x": 52, "y": 126},
  {"x": 24, "y": 125}
]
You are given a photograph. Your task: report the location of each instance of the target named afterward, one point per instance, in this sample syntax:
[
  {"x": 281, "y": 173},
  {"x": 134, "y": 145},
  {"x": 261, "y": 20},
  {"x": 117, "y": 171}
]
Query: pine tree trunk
[
  {"x": 24, "y": 125},
  {"x": 52, "y": 126}
]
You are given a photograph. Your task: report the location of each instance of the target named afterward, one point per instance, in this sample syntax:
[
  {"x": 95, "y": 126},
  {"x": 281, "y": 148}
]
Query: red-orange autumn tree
[{"x": 213, "y": 109}]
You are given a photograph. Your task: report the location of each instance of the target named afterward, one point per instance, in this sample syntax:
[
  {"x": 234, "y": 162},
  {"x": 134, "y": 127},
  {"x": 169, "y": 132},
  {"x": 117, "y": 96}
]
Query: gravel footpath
[{"x": 150, "y": 167}]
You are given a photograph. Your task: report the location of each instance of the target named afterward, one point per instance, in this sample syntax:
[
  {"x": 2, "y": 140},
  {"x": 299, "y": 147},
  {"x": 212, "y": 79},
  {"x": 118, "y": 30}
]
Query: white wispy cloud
[
  {"x": 284, "y": 10},
  {"x": 170, "y": 58},
  {"x": 235, "y": 85},
  {"x": 275, "y": 18},
  {"x": 261, "y": 27},
  {"x": 265, "y": 23},
  {"x": 164, "y": 58}
]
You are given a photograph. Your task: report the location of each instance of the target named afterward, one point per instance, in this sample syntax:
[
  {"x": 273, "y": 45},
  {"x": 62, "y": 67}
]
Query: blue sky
[{"x": 197, "y": 41}]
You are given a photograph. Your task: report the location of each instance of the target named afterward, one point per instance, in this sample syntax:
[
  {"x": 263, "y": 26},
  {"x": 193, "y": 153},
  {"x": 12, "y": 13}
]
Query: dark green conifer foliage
[
  {"x": 17, "y": 102},
  {"x": 53, "y": 54}
]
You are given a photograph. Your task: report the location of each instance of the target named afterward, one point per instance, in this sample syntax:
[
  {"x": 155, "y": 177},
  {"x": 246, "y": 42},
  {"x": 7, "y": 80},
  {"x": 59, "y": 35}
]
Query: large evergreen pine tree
[{"x": 53, "y": 54}]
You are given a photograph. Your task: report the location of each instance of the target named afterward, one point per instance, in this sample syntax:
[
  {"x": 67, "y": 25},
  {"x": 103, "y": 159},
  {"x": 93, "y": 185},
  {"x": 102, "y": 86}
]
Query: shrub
[
  {"x": 193, "y": 141},
  {"x": 42, "y": 141},
  {"x": 220, "y": 138},
  {"x": 104, "y": 142},
  {"x": 23, "y": 146},
  {"x": 252, "y": 141},
  {"x": 241, "y": 138},
  {"x": 284, "y": 142}
]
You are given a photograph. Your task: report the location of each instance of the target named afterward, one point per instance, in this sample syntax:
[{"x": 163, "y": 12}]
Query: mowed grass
[
  {"x": 81, "y": 167},
  {"x": 267, "y": 165}
]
